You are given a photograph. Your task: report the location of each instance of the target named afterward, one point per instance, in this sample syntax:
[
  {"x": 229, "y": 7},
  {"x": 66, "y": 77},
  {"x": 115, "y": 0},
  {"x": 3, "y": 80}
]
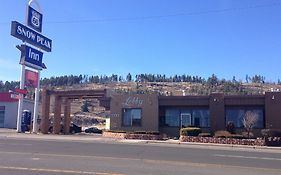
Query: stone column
[
  {"x": 67, "y": 108},
  {"x": 44, "y": 123},
  {"x": 57, "y": 115}
]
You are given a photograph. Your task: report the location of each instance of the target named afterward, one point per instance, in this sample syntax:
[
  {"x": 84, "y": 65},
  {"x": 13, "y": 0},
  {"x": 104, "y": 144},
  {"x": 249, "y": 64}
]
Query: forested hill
[{"x": 151, "y": 83}]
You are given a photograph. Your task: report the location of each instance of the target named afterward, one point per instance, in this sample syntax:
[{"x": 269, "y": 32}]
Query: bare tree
[{"x": 249, "y": 120}]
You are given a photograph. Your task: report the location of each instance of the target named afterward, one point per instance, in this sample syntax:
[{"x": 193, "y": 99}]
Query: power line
[
  {"x": 159, "y": 16},
  {"x": 165, "y": 16}
]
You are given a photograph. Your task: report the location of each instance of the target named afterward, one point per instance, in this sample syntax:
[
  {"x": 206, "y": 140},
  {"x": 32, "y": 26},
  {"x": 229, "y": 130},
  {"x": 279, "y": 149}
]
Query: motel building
[
  {"x": 9, "y": 110},
  {"x": 167, "y": 114}
]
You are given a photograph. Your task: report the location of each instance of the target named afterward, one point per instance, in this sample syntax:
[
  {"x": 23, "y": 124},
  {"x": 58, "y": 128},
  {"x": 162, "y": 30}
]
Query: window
[
  {"x": 172, "y": 117},
  {"x": 131, "y": 117},
  {"x": 186, "y": 117},
  {"x": 201, "y": 118},
  {"x": 2, "y": 116},
  {"x": 236, "y": 115}
]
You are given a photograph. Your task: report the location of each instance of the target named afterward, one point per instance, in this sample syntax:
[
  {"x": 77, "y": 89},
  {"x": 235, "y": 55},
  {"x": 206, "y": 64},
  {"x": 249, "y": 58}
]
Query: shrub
[
  {"x": 205, "y": 134},
  {"x": 137, "y": 132},
  {"x": 271, "y": 133},
  {"x": 222, "y": 134},
  {"x": 116, "y": 131},
  {"x": 249, "y": 135},
  {"x": 237, "y": 136},
  {"x": 146, "y": 132},
  {"x": 230, "y": 127},
  {"x": 190, "y": 131},
  {"x": 153, "y": 132}
]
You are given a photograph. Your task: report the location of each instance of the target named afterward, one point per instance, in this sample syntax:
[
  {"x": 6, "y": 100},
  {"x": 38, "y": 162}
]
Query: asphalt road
[{"x": 47, "y": 157}]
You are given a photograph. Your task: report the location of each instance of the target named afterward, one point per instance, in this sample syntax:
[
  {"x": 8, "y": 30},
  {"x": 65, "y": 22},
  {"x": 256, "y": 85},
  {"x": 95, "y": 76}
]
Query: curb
[{"x": 90, "y": 138}]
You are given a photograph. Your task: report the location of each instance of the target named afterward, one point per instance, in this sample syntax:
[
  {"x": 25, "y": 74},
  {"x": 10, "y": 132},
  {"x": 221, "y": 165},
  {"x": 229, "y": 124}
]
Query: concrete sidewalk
[{"x": 12, "y": 133}]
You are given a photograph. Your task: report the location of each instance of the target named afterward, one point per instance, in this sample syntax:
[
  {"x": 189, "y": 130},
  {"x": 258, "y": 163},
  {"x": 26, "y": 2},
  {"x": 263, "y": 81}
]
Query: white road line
[
  {"x": 247, "y": 157},
  {"x": 16, "y": 144},
  {"x": 55, "y": 170}
]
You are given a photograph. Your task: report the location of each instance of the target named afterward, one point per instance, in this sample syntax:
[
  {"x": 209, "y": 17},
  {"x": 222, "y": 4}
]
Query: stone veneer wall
[
  {"x": 271, "y": 141},
  {"x": 120, "y": 135},
  {"x": 252, "y": 142}
]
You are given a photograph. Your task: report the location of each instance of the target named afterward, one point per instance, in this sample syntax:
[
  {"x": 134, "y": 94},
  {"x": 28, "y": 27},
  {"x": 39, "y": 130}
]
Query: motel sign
[{"x": 31, "y": 57}]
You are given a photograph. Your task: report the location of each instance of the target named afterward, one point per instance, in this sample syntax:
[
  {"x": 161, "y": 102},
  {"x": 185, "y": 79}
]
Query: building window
[
  {"x": 236, "y": 115},
  {"x": 186, "y": 117},
  {"x": 2, "y": 116},
  {"x": 131, "y": 117},
  {"x": 172, "y": 117},
  {"x": 201, "y": 118}
]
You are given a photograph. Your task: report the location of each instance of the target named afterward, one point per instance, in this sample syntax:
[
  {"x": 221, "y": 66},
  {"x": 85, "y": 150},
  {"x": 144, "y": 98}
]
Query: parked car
[
  {"x": 75, "y": 129},
  {"x": 93, "y": 130}
]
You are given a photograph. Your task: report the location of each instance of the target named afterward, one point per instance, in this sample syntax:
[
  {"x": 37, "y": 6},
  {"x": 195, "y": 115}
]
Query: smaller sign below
[
  {"x": 33, "y": 57},
  {"x": 15, "y": 96},
  {"x": 20, "y": 91},
  {"x": 34, "y": 19},
  {"x": 31, "y": 79}
]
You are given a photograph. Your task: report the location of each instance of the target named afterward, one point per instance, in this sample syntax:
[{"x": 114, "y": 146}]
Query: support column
[
  {"x": 20, "y": 104},
  {"x": 272, "y": 110},
  {"x": 36, "y": 105},
  {"x": 217, "y": 112},
  {"x": 57, "y": 115},
  {"x": 67, "y": 108},
  {"x": 44, "y": 123}
]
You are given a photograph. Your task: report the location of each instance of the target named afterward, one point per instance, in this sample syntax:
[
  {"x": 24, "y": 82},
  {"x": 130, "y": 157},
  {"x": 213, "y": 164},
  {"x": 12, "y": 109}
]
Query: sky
[{"x": 194, "y": 37}]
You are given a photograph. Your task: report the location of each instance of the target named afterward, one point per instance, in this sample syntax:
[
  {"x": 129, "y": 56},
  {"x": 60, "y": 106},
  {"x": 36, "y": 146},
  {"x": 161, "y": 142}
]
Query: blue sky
[{"x": 194, "y": 37}]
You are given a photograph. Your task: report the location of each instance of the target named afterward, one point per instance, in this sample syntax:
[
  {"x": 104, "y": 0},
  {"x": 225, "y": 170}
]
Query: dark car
[
  {"x": 72, "y": 129},
  {"x": 93, "y": 130}
]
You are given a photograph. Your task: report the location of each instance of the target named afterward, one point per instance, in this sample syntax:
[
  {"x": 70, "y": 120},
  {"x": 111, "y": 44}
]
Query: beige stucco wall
[{"x": 148, "y": 104}]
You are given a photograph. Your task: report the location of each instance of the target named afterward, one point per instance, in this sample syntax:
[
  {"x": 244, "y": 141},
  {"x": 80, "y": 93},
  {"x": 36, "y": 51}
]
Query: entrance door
[{"x": 185, "y": 120}]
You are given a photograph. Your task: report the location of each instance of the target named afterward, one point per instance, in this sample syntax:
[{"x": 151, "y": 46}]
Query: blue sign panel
[
  {"x": 34, "y": 19},
  {"x": 30, "y": 36},
  {"x": 33, "y": 57}
]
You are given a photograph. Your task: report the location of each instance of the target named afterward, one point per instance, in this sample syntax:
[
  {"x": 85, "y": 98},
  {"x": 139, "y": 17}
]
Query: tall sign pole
[
  {"x": 31, "y": 57},
  {"x": 20, "y": 105},
  {"x": 34, "y": 20},
  {"x": 36, "y": 105}
]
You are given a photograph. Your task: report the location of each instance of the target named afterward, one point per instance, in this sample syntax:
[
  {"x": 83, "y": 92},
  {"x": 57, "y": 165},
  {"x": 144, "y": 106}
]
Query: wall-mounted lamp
[{"x": 272, "y": 97}]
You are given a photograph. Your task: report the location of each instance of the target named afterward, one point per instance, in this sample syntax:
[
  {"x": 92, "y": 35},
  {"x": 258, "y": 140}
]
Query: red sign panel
[
  {"x": 31, "y": 78},
  {"x": 21, "y": 91}
]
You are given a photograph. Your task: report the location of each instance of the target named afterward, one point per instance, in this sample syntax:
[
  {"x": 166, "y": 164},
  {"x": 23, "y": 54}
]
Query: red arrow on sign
[{"x": 21, "y": 91}]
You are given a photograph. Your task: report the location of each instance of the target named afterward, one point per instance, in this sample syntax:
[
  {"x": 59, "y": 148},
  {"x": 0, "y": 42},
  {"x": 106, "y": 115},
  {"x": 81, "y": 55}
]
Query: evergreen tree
[
  {"x": 129, "y": 77},
  {"x": 85, "y": 106}
]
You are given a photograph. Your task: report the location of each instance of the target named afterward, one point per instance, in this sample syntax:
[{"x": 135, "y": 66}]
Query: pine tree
[{"x": 129, "y": 77}]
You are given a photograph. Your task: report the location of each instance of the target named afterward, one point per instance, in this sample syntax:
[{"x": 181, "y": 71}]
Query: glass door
[{"x": 185, "y": 120}]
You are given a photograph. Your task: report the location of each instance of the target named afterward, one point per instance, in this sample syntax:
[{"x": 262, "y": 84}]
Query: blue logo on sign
[{"x": 34, "y": 19}]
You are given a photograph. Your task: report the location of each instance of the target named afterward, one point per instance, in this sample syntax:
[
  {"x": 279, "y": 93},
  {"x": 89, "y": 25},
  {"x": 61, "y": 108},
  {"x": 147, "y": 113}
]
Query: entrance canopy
[{"x": 64, "y": 97}]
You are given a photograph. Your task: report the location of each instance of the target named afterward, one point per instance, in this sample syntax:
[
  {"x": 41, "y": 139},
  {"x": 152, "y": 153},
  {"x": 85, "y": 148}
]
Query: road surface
[{"x": 52, "y": 157}]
